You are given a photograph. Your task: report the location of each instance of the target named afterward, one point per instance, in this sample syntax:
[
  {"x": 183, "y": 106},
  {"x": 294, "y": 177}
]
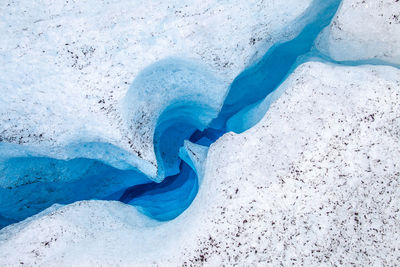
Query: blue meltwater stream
[{"x": 168, "y": 199}]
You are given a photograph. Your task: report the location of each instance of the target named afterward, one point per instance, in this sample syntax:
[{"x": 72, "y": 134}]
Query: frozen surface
[
  {"x": 364, "y": 30},
  {"x": 65, "y": 66},
  {"x": 69, "y": 124},
  {"x": 166, "y": 104},
  {"x": 316, "y": 181},
  {"x": 257, "y": 82}
]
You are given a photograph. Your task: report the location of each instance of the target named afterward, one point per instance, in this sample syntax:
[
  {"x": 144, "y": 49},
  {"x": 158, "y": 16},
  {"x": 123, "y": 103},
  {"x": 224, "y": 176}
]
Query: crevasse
[{"x": 190, "y": 111}]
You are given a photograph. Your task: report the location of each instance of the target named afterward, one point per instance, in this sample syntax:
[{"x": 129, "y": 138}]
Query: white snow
[
  {"x": 66, "y": 65},
  {"x": 362, "y": 30},
  {"x": 316, "y": 182}
]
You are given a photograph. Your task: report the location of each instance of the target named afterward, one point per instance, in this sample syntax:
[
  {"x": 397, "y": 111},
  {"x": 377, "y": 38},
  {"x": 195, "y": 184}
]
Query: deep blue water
[{"x": 50, "y": 181}]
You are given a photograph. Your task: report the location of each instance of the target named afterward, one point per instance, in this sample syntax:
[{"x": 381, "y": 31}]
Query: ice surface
[
  {"x": 254, "y": 84},
  {"x": 30, "y": 184},
  {"x": 71, "y": 130},
  {"x": 194, "y": 155},
  {"x": 66, "y": 66},
  {"x": 315, "y": 182},
  {"x": 364, "y": 30},
  {"x": 166, "y": 104}
]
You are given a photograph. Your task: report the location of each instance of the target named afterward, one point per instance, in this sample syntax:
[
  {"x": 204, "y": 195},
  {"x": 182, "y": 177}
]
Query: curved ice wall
[
  {"x": 166, "y": 103},
  {"x": 170, "y": 101}
]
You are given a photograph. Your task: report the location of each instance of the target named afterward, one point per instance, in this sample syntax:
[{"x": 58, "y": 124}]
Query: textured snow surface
[
  {"x": 362, "y": 30},
  {"x": 316, "y": 181},
  {"x": 66, "y": 65}
]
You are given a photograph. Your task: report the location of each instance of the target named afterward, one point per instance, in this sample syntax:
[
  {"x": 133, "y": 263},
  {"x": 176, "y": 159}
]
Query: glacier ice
[
  {"x": 195, "y": 156},
  {"x": 299, "y": 179},
  {"x": 166, "y": 104},
  {"x": 175, "y": 100},
  {"x": 31, "y": 184},
  {"x": 65, "y": 67},
  {"x": 170, "y": 101},
  {"x": 257, "y": 82},
  {"x": 364, "y": 31}
]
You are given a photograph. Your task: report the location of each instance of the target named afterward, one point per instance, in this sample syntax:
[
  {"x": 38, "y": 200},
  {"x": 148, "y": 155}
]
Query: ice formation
[
  {"x": 364, "y": 30},
  {"x": 169, "y": 101},
  {"x": 314, "y": 181},
  {"x": 166, "y": 104},
  {"x": 257, "y": 82},
  {"x": 63, "y": 128},
  {"x": 66, "y": 66},
  {"x": 331, "y": 197}
]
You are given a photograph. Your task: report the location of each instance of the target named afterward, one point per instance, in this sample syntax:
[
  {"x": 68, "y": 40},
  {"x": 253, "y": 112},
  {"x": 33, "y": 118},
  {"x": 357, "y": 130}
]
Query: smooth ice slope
[{"x": 314, "y": 183}]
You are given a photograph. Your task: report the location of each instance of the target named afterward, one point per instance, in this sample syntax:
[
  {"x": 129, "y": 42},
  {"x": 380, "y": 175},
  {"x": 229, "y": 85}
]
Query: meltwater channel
[{"x": 82, "y": 178}]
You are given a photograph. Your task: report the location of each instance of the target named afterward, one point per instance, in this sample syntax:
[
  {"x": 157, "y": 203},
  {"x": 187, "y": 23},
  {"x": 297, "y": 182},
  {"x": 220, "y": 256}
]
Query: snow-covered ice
[
  {"x": 68, "y": 122},
  {"x": 315, "y": 182},
  {"x": 364, "y": 30}
]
